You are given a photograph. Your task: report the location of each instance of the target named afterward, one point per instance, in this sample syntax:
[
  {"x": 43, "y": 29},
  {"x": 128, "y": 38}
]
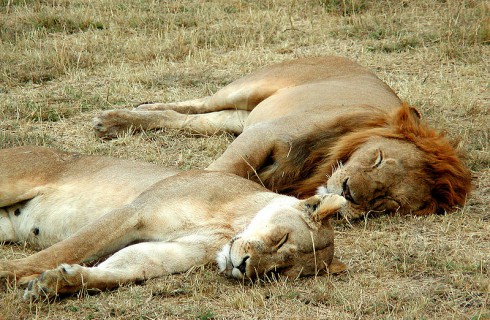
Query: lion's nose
[{"x": 346, "y": 191}]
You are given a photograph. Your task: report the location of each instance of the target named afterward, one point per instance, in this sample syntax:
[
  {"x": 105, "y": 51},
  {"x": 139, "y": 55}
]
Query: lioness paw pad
[{"x": 34, "y": 291}]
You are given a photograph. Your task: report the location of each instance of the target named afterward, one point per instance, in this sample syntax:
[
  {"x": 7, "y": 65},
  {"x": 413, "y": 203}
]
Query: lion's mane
[{"x": 320, "y": 153}]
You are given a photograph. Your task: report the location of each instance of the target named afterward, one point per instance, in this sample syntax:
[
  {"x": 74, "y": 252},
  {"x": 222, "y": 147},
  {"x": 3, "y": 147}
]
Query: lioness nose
[{"x": 243, "y": 265}]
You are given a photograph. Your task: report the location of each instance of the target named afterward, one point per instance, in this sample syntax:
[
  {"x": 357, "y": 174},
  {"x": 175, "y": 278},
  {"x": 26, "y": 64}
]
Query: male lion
[
  {"x": 154, "y": 221},
  {"x": 312, "y": 122}
]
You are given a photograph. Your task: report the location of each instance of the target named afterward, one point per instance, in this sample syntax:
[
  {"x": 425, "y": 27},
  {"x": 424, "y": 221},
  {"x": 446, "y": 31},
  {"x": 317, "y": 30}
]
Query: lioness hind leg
[
  {"x": 110, "y": 123},
  {"x": 134, "y": 263}
]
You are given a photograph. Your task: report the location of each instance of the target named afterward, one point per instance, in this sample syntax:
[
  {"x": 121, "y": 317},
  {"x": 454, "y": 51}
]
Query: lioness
[
  {"x": 154, "y": 221},
  {"x": 312, "y": 122}
]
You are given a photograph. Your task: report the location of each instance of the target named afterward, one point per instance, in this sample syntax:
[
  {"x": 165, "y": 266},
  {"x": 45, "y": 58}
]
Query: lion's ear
[
  {"x": 319, "y": 208},
  {"x": 415, "y": 112},
  {"x": 411, "y": 111}
]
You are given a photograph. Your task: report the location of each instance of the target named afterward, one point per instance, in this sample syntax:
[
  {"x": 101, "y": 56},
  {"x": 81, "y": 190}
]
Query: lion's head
[
  {"x": 402, "y": 167},
  {"x": 289, "y": 237},
  {"x": 381, "y": 162}
]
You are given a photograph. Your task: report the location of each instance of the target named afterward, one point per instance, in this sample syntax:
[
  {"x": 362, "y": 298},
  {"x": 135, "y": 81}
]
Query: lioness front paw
[
  {"x": 10, "y": 273},
  {"x": 7, "y": 279},
  {"x": 15, "y": 273},
  {"x": 63, "y": 279},
  {"x": 335, "y": 201}
]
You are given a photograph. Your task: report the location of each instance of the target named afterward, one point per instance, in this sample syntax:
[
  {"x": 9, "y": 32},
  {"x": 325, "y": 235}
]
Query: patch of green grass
[
  {"x": 480, "y": 316},
  {"x": 43, "y": 61},
  {"x": 468, "y": 23},
  {"x": 206, "y": 315},
  {"x": 46, "y": 22},
  {"x": 344, "y": 7},
  {"x": 7, "y": 5},
  {"x": 8, "y": 139},
  {"x": 51, "y": 22},
  {"x": 399, "y": 45},
  {"x": 37, "y": 111}
]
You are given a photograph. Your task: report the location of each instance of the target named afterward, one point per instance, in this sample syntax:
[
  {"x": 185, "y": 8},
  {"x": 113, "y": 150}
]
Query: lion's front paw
[
  {"x": 110, "y": 123},
  {"x": 149, "y": 106},
  {"x": 64, "y": 279}
]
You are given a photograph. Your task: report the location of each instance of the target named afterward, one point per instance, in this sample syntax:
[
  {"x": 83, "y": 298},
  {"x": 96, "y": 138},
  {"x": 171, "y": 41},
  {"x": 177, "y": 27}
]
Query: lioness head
[{"x": 289, "y": 237}]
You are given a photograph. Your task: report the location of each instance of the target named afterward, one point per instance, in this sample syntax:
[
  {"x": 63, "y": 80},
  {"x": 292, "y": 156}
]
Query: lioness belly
[
  {"x": 52, "y": 217},
  {"x": 86, "y": 189}
]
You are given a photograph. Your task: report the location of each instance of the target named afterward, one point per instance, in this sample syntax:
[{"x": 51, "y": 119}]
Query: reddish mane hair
[
  {"x": 449, "y": 178},
  {"x": 445, "y": 172}
]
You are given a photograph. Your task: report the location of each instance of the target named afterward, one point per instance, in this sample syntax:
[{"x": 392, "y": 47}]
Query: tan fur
[
  {"x": 296, "y": 121},
  {"x": 152, "y": 221}
]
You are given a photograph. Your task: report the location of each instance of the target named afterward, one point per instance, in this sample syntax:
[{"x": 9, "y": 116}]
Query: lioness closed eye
[
  {"x": 154, "y": 221},
  {"x": 323, "y": 121}
]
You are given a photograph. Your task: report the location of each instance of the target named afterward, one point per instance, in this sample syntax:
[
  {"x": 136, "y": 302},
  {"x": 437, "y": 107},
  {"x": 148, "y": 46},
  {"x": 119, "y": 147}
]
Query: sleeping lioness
[
  {"x": 317, "y": 122},
  {"x": 153, "y": 221}
]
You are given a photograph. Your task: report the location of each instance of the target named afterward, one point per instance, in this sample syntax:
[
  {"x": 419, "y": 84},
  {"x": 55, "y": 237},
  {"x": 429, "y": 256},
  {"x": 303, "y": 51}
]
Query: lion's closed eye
[{"x": 379, "y": 159}]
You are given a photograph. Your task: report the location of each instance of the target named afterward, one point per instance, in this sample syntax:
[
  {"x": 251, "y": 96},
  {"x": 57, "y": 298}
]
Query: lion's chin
[{"x": 322, "y": 191}]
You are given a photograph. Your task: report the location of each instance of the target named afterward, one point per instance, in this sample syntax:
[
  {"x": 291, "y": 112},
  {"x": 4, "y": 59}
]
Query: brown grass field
[{"x": 62, "y": 61}]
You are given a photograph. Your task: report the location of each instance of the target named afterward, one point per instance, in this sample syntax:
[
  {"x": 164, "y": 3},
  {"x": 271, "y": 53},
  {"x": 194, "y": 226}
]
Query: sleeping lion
[
  {"x": 152, "y": 221},
  {"x": 319, "y": 122}
]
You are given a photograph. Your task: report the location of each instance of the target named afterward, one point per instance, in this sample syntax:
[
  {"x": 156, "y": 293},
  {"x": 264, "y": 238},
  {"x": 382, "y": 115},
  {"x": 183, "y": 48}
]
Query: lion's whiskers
[
  {"x": 404, "y": 202},
  {"x": 337, "y": 165},
  {"x": 314, "y": 252}
]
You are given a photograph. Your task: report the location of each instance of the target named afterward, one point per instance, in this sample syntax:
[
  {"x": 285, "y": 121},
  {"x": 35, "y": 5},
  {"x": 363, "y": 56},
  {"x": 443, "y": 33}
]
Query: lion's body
[
  {"x": 158, "y": 221},
  {"x": 295, "y": 89},
  {"x": 299, "y": 121}
]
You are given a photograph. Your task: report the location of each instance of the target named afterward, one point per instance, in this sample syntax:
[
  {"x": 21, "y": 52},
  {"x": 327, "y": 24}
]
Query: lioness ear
[
  {"x": 337, "y": 266},
  {"x": 319, "y": 208}
]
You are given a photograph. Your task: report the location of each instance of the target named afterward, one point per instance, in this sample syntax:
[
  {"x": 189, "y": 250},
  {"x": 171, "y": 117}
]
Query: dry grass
[{"x": 62, "y": 61}]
